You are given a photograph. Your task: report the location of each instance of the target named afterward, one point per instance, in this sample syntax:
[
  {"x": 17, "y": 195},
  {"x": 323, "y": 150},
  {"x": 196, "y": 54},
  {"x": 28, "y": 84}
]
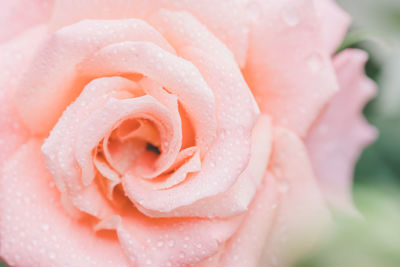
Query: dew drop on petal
[
  {"x": 290, "y": 16},
  {"x": 315, "y": 62},
  {"x": 254, "y": 10},
  {"x": 45, "y": 227},
  {"x": 283, "y": 186},
  {"x": 52, "y": 255}
]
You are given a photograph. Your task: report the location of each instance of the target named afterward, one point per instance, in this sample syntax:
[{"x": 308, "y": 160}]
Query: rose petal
[
  {"x": 68, "y": 150},
  {"x": 228, "y": 20},
  {"x": 59, "y": 147},
  {"x": 234, "y": 123},
  {"x": 335, "y": 22},
  {"x": 187, "y": 161},
  {"x": 339, "y": 135},
  {"x": 232, "y": 98},
  {"x": 14, "y": 56},
  {"x": 302, "y": 213},
  {"x": 289, "y": 69},
  {"x": 179, "y": 76},
  {"x": 34, "y": 228},
  {"x": 102, "y": 120},
  {"x": 174, "y": 242},
  {"x": 53, "y": 81},
  {"x": 18, "y": 16},
  {"x": 246, "y": 246},
  {"x": 238, "y": 197}
]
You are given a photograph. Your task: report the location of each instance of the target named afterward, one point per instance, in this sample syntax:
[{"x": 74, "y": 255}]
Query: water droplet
[
  {"x": 45, "y": 227},
  {"x": 171, "y": 243},
  {"x": 52, "y": 255},
  {"x": 254, "y": 10},
  {"x": 315, "y": 62},
  {"x": 283, "y": 186},
  {"x": 290, "y": 16},
  {"x": 160, "y": 244},
  {"x": 149, "y": 261}
]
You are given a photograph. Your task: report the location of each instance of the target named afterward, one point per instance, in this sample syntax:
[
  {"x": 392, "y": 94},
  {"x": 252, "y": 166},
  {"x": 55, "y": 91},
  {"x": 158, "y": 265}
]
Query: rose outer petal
[
  {"x": 14, "y": 56},
  {"x": 228, "y": 20},
  {"x": 31, "y": 210},
  {"x": 246, "y": 245},
  {"x": 53, "y": 80},
  {"x": 288, "y": 208},
  {"x": 340, "y": 134},
  {"x": 335, "y": 22},
  {"x": 18, "y": 16},
  {"x": 35, "y": 230},
  {"x": 169, "y": 242},
  {"x": 302, "y": 215},
  {"x": 289, "y": 67}
]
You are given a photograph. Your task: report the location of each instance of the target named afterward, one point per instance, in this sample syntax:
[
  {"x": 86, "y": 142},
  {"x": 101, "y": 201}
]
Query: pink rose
[{"x": 174, "y": 133}]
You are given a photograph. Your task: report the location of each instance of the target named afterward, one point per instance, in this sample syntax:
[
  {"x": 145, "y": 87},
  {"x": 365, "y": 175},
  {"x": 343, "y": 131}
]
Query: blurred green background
[{"x": 374, "y": 240}]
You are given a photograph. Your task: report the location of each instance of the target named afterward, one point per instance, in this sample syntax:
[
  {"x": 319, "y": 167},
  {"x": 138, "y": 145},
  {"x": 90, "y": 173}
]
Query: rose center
[{"x": 134, "y": 142}]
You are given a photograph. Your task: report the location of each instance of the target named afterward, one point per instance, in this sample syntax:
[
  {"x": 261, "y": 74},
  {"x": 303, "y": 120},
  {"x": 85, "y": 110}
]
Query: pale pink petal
[
  {"x": 119, "y": 153},
  {"x": 235, "y": 110},
  {"x": 246, "y": 245},
  {"x": 34, "y": 228},
  {"x": 335, "y": 22},
  {"x": 169, "y": 100},
  {"x": 340, "y": 134},
  {"x": 17, "y": 16},
  {"x": 302, "y": 215},
  {"x": 237, "y": 198},
  {"x": 232, "y": 97},
  {"x": 187, "y": 161},
  {"x": 169, "y": 242},
  {"x": 289, "y": 68},
  {"x": 228, "y": 20},
  {"x": 104, "y": 169},
  {"x": 178, "y": 76},
  {"x": 102, "y": 121},
  {"x": 110, "y": 178},
  {"x": 183, "y": 30},
  {"x": 14, "y": 56},
  {"x": 59, "y": 146},
  {"x": 68, "y": 150},
  {"x": 194, "y": 42},
  {"x": 53, "y": 80}
]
